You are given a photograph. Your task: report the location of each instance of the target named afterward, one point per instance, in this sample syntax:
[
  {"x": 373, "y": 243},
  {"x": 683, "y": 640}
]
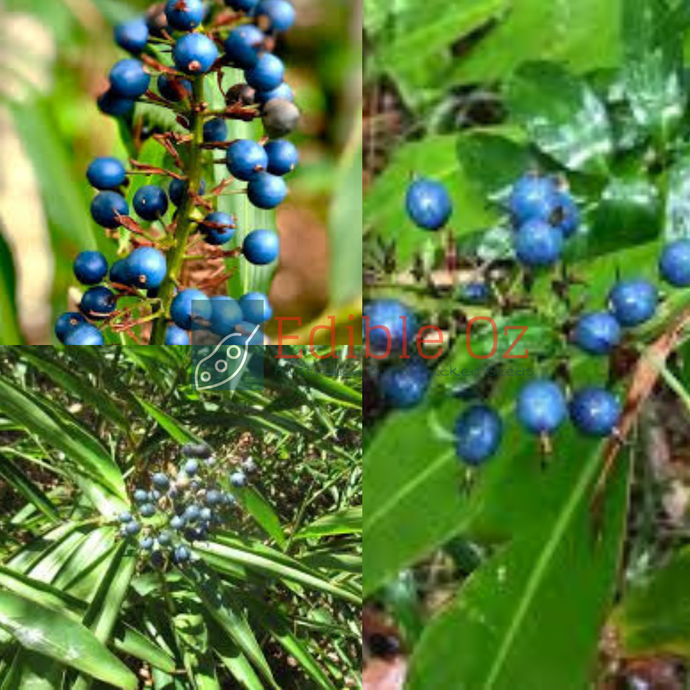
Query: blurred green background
[{"x": 55, "y": 56}]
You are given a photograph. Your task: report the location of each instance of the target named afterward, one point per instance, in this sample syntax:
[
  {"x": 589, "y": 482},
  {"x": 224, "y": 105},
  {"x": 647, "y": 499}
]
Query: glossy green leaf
[
  {"x": 132, "y": 643},
  {"x": 9, "y": 333},
  {"x": 58, "y": 637},
  {"x": 562, "y": 116},
  {"x": 346, "y": 521},
  {"x": 23, "y": 485},
  {"x": 262, "y": 511},
  {"x": 176, "y": 430}
]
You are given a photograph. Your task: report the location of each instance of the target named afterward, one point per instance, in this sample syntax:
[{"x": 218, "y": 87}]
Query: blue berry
[
  {"x": 90, "y": 268},
  {"x": 84, "y": 335},
  {"x": 261, "y": 247},
  {"x": 229, "y": 500},
  {"x": 255, "y": 307},
  {"x": 247, "y": 6},
  {"x": 154, "y": 495},
  {"x": 141, "y": 496},
  {"x": 215, "y": 130},
  {"x": 238, "y": 479},
  {"x": 245, "y": 158},
  {"x": 133, "y": 35},
  {"x": 132, "y": 528},
  {"x": 249, "y": 465},
  {"x": 165, "y": 538},
  {"x": 195, "y": 54},
  {"x": 403, "y": 386},
  {"x": 125, "y": 517},
  {"x": 106, "y": 206},
  {"x": 280, "y": 14},
  {"x": 541, "y": 406},
  {"x": 388, "y": 313},
  {"x": 282, "y": 156},
  {"x": 196, "y": 450},
  {"x": 158, "y": 560},
  {"x": 146, "y": 267},
  {"x": 147, "y": 510},
  {"x": 674, "y": 264},
  {"x": 191, "y": 467},
  {"x": 595, "y": 411},
  {"x": 218, "y": 235},
  {"x": 176, "y": 336},
  {"x": 533, "y": 198},
  {"x": 633, "y": 302},
  {"x": 128, "y": 79},
  {"x": 181, "y": 554},
  {"x": 479, "y": 431},
  {"x": 283, "y": 92},
  {"x": 566, "y": 217},
  {"x": 226, "y": 313},
  {"x": 110, "y": 103},
  {"x": 475, "y": 293},
  {"x": 243, "y": 46},
  {"x": 206, "y": 514},
  {"x": 267, "y": 74},
  {"x": 184, "y": 15},
  {"x": 160, "y": 479},
  {"x": 178, "y": 191},
  {"x": 279, "y": 117},
  {"x": 66, "y": 323},
  {"x": 106, "y": 173},
  {"x": 150, "y": 202},
  {"x": 119, "y": 272},
  {"x": 266, "y": 191},
  {"x": 597, "y": 333},
  {"x": 177, "y": 522},
  {"x": 146, "y": 543},
  {"x": 98, "y": 302},
  {"x": 174, "y": 89},
  {"x": 428, "y": 204},
  {"x": 214, "y": 497},
  {"x": 191, "y": 513},
  {"x": 538, "y": 244},
  {"x": 190, "y": 309}
]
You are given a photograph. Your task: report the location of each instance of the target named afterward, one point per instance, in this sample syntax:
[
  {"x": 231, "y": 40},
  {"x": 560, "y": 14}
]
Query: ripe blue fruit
[
  {"x": 106, "y": 173},
  {"x": 475, "y": 293},
  {"x": 90, "y": 267},
  {"x": 150, "y": 202},
  {"x": 84, "y": 335},
  {"x": 243, "y": 45},
  {"x": 249, "y": 465},
  {"x": 256, "y": 307},
  {"x": 141, "y": 496},
  {"x": 160, "y": 479},
  {"x": 541, "y": 406},
  {"x": 184, "y": 15},
  {"x": 266, "y": 191},
  {"x": 205, "y": 514},
  {"x": 247, "y": 6},
  {"x": 125, "y": 517},
  {"x": 674, "y": 264},
  {"x": 147, "y": 510},
  {"x": 238, "y": 479},
  {"x": 195, "y": 54},
  {"x": 66, "y": 323},
  {"x": 214, "y": 497},
  {"x": 226, "y": 313},
  {"x": 191, "y": 513},
  {"x": 267, "y": 74},
  {"x": 154, "y": 495},
  {"x": 132, "y": 528},
  {"x": 428, "y": 204},
  {"x": 146, "y": 543},
  {"x": 282, "y": 156},
  {"x": 280, "y": 117},
  {"x": 597, "y": 333},
  {"x": 538, "y": 244},
  {"x": 178, "y": 191},
  {"x": 566, "y": 217},
  {"x": 633, "y": 302},
  {"x": 119, "y": 272},
  {"x": 196, "y": 450},
  {"x": 146, "y": 267},
  {"x": 261, "y": 247},
  {"x": 215, "y": 130},
  {"x": 533, "y": 198},
  {"x": 229, "y": 500},
  {"x": 388, "y": 313},
  {"x": 404, "y": 385},
  {"x": 218, "y": 235},
  {"x": 111, "y": 104},
  {"x": 595, "y": 411},
  {"x": 190, "y": 309},
  {"x": 245, "y": 158},
  {"x": 128, "y": 79},
  {"x": 279, "y": 13},
  {"x": 283, "y": 92},
  {"x": 165, "y": 538},
  {"x": 177, "y": 522},
  {"x": 191, "y": 467},
  {"x": 106, "y": 206},
  {"x": 181, "y": 554},
  {"x": 176, "y": 336},
  {"x": 133, "y": 35},
  {"x": 174, "y": 89},
  {"x": 479, "y": 431},
  {"x": 97, "y": 303}
]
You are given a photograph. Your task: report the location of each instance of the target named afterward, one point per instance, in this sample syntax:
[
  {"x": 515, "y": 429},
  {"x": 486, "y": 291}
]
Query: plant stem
[{"x": 185, "y": 224}]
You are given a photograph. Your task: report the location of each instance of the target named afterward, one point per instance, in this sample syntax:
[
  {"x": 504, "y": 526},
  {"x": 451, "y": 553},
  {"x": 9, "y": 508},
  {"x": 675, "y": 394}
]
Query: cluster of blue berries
[
  {"x": 200, "y": 42},
  {"x": 184, "y": 506}
]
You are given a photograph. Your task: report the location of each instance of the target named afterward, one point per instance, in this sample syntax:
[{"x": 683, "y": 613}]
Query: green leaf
[
  {"x": 132, "y": 643},
  {"x": 653, "y": 619},
  {"x": 9, "y": 334},
  {"x": 22, "y": 484},
  {"x": 562, "y": 116},
  {"x": 262, "y": 511},
  {"x": 53, "y": 634},
  {"x": 175, "y": 429},
  {"x": 506, "y": 612},
  {"x": 346, "y": 521}
]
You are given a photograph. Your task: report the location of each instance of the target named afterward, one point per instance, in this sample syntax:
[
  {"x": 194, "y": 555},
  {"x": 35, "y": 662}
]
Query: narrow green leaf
[
  {"x": 346, "y": 521},
  {"x": 175, "y": 429},
  {"x": 262, "y": 511},
  {"x": 23, "y": 485},
  {"x": 9, "y": 333}
]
